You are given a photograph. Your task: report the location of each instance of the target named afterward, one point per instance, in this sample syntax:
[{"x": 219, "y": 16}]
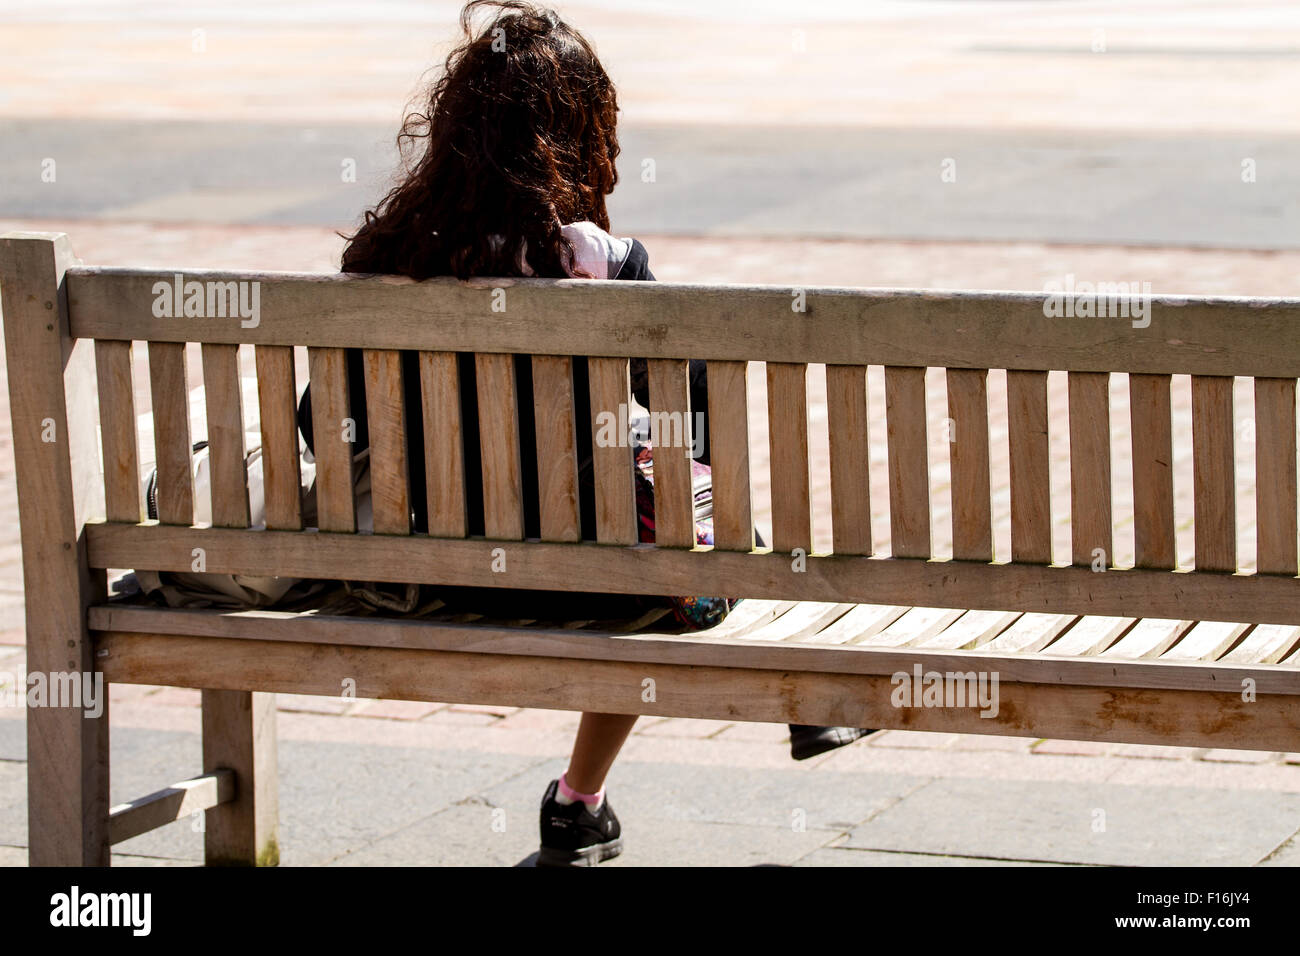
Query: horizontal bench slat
[
  {"x": 644, "y": 569},
  {"x": 1129, "y": 715},
  {"x": 1191, "y": 335},
  {"x": 173, "y": 803},
  {"x": 748, "y": 649}
]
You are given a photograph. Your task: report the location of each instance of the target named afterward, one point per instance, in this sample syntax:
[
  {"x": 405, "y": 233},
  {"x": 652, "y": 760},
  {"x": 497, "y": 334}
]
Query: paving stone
[
  {"x": 332, "y": 796},
  {"x": 336, "y": 797},
  {"x": 463, "y": 835},
  {"x": 1074, "y": 748},
  {"x": 13, "y": 803},
  {"x": 147, "y": 760},
  {"x": 846, "y": 856},
  {"x": 13, "y": 855},
  {"x": 312, "y": 704},
  {"x": 1286, "y": 855},
  {"x": 977, "y": 742},
  {"x": 714, "y": 844},
  {"x": 1279, "y": 778},
  {"x": 1155, "y": 751},
  {"x": 461, "y": 718},
  {"x": 1239, "y": 756},
  {"x": 17, "y": 856},
  {"x": 732, "y": 795},
  {"x": 913, "y": 739},
  {"x": 691, "y": 751},
  {"x": 687, "y": 727},
  {"x": 984, "y": 765},
  {"x": 393, "y": 709},
  {"x": 127, "y": 859},
  {"x": 174, "y": 697},
  {"x": 493, "y": 710},
  {"x": 506, "y": 834},
  {"x": 1054, "y": 822},
  {"x": 534, "y": 718},
  {"x": 122, "y": 693},
  {"x": 13, "y": 688},
  {"x": 422, "y": 735},
  {"x": 144, "y": 714},
  {"x": 13, "y": 739},
  {"x": 751, "y": 732}
]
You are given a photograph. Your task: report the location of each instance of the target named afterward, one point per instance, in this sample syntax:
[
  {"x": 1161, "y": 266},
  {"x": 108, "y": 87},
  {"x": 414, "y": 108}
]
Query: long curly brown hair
[{"x": 517, "y": 138}]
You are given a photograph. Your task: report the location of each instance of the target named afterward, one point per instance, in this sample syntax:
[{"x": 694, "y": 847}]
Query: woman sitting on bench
[{"x": 518, "y": 150}]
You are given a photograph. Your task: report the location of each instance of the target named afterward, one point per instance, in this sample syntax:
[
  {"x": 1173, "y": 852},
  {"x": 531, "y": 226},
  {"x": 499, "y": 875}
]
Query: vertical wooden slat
[
  {"x": 557, "y": 456},
  {"x": 1090, "y": 499},
  {"x": 611, "y": 452},
  {"x": 1031, "y": 524},
  {"x": 390, "y": 488},
  {"x": 52, "y": 384},
  {"x": 238, "y": 726},
  {"x": 1275, "y": 475},
  {"x": 444, "y": 447},
  {"x": 968, "y": 453},
  {"x": 333, "y": 440},
  {"x": 169, "y": 387},
  {"x": 733, "y": 513},
  {"x": 498, "y": 426},
  {"x": 228, "y": 479},
  {"x": 670, "y": 435},
  {"x": 123, "y": 500},
  {"x": 1213, "y": 473},
  {"x": 846, "y": 428},
  {"x": 787, "y": 422},
  {"x": 1153, "y": 472},
  {"x": 909, "y": 469},
  {"x": 277, "y": 406}
]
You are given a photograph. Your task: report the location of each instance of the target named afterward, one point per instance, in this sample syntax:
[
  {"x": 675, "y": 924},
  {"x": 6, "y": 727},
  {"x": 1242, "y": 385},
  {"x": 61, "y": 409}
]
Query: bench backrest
[{"x": 964, "y": 334}]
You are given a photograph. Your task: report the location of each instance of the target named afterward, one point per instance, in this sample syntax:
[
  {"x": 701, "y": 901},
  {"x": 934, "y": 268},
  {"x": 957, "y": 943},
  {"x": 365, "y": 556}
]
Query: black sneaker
[
  {"x": 806, "y": 741},
  {"x": 574, "y": 836}
]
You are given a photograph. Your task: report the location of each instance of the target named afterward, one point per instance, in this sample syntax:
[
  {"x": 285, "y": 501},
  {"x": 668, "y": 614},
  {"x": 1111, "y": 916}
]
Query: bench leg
[
  {"x": 67, "y": 784},
  {"x": 56, "y": 462},
  {"x": 239, "y": 735}
]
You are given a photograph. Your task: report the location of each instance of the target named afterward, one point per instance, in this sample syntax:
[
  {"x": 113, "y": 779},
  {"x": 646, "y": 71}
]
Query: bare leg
[{"x": 600, "y": 737}]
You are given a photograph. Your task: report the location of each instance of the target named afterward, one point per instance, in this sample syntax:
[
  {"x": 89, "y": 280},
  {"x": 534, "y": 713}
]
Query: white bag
[{"x": 190, "y": 589}]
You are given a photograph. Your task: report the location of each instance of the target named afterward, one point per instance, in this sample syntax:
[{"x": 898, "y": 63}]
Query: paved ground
[
  {"x": 964, "y": 64},
  {"x": 826, "y": 122},
  {"x": 1100, "y": 122},
  {"x": 1130, "y": 188}
]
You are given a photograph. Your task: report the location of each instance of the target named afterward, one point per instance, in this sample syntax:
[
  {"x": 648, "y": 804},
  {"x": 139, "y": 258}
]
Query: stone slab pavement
[
  {"x": 1097, "y": 66},
  {"x": 210, "y": 135},
  {"x": 1134, "y": 187},
  {"x": 1102, "y": 121}
]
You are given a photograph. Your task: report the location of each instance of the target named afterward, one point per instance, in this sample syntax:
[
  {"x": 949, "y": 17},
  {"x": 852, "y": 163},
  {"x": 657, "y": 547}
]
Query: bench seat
[{"x": 1144, "y": 680}]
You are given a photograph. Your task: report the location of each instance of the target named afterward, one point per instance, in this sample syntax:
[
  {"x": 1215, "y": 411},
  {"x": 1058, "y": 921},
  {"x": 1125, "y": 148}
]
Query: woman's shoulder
[{"x": 599, "y": 255}]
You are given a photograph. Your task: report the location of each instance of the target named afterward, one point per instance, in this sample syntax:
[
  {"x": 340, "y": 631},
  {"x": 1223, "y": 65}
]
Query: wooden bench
[{"x": 1155, "y": 653}]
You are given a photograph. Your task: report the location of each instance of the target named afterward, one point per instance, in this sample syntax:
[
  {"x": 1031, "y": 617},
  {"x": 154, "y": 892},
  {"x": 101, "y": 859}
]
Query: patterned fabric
[{"x": 694, "y": 613}]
